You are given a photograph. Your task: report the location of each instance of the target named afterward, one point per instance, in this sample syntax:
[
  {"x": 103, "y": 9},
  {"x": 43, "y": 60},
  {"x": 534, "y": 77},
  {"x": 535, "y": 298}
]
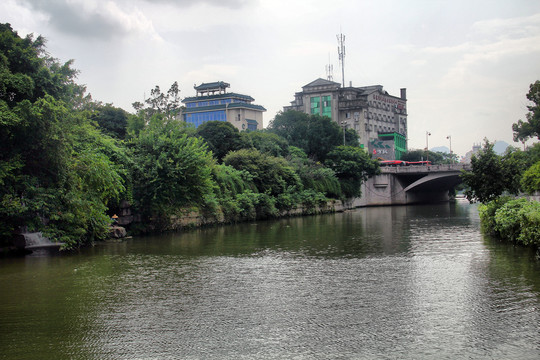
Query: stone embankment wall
[
  {"x": 195, "y": 219},
  {"x": 192, "y": 218}
]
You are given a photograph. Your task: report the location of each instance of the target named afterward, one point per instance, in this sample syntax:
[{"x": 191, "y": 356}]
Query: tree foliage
[
  {"x": 271, "y": 175},
  {"x": 530, "y": 182},
  {"x": 316, "y": 135},
  {"x": 171, "y": 169},
  {"x": 314, "y": 175},
  {"x": 54, "y": 174},
  {"x": 515, "y": 220},
  {"x": 266, "y": 142},
  {"x": 352, "y": 166},
  {"x": 523, "y": 130},
  {"x": 112, "y": 121},
  {"x": 166, "y": 104},
  {"x": 492, "y": 175},
  {"x": 221, "y": 137}
]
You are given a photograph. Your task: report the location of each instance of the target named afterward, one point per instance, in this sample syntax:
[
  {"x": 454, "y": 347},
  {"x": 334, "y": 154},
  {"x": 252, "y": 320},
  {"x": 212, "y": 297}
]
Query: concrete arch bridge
[{"x": 411, "y": 184}]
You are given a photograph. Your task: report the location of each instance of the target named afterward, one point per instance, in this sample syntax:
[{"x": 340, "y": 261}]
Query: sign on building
[{"x": 382, "y": 149}]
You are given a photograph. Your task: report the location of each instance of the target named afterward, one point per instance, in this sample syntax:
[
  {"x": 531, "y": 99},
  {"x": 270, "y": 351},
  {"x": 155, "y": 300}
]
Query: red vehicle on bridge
[
  {"x": 392, "y": 163},
  {"x": 419, "y": 163}
]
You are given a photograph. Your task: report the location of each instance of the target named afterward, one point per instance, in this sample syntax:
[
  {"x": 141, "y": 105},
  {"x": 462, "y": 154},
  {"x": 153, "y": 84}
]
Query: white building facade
[{"x": 370, "y": 111}]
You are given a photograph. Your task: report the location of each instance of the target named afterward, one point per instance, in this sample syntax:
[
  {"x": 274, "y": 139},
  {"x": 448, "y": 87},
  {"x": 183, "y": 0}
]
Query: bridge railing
[{"x": 414, "y": 169}]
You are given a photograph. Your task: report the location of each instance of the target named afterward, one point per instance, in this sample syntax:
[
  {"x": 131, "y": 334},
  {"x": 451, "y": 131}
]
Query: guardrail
[{"x": 411, "y": 169}]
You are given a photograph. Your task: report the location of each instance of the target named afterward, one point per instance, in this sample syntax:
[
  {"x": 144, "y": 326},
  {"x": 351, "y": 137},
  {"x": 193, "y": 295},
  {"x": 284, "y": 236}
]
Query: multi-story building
[
  {"x": 379, "y": 119},
  {"x": 214, "y": 103}
]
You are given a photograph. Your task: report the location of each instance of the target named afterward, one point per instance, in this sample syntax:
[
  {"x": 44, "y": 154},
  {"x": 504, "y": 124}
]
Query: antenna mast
[
  {"x": 329, "y": 70},
  {"x": 341, "y": 53}
]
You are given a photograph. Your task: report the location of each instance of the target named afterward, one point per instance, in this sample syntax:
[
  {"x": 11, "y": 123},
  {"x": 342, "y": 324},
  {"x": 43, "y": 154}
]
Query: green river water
[{"x": 406, "y": 282}]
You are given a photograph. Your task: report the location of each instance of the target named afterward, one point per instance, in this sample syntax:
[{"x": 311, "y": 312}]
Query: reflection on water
[{"x": 389, "y": 282}]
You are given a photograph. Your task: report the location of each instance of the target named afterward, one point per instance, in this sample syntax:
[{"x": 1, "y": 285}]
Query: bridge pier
[{"x": 410, "y": 185}]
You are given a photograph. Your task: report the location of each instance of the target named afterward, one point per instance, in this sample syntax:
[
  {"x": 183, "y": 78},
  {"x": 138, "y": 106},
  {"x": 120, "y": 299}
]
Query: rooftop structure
[
  {"x": 379, "y": 119},
  {"x": 213, "y": 103}
]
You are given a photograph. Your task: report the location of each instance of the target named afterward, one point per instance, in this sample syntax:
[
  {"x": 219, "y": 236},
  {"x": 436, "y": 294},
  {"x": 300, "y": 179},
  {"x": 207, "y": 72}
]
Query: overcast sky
[{"x": 466, "y": 64}]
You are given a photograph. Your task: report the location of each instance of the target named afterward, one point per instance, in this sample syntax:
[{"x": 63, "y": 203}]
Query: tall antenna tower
[
  {"x": 329, "y": 70},
  {"x": 341, "y": 53}
]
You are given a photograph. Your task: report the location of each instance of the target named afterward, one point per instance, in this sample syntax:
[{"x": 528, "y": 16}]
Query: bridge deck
[{"x": 424, "y": 169}]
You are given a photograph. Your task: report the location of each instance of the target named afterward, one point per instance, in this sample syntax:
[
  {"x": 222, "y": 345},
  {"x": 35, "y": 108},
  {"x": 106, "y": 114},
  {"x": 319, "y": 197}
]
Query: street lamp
[
  {"x": 427, "y": 145},
  {"x": 449, "y": 137}
]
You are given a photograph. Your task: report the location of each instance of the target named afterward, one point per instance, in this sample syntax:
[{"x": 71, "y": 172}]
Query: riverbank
[
  {"x": 194, "y": 218},
  {"x": 516, "y": 220}
]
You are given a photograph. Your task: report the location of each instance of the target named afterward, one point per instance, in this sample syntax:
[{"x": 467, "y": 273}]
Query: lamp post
[
  {"x": 449, "y": 137},
  {"x": 427, "y": 145}
]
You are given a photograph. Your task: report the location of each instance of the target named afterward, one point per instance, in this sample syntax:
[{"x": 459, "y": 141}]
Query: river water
[{"x": 407, "y": 282}]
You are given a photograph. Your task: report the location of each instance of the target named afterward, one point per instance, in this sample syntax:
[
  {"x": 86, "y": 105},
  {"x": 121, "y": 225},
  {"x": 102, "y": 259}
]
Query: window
[
  {"x": 200, "y": 118},
  {"x": 315, "y": 105},
  {"x": 251, "y": 124},
  {"x": 327, "y": 106}
]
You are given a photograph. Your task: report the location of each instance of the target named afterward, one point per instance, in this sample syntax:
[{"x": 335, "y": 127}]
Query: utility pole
[
  {"x": 341, "y": 53},
  {"x": 427, "y": 146},
  {"x": 449, "y": 137}
]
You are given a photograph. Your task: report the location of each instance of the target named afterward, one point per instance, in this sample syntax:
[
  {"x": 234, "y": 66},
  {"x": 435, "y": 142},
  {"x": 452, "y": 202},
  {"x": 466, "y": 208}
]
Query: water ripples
[{"x": 415, "y": 282}]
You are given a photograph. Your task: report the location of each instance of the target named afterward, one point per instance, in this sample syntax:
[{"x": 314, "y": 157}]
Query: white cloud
[
  {"x": 93, "y": 19},
  {"x": 511, "y": 27},
  {"x": 131, "y": 22}
]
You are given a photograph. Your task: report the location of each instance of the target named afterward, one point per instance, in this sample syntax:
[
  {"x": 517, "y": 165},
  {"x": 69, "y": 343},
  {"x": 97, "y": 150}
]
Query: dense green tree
[
  {"x": 112, "y": 121},
  {"x": 55, "y": 174},
  {"x": 316, "y": 135},
  {"x": 352, "y": 166},
  {"x": 514, "y": 163},
  {"x": 221, "y": 137},
  {"x": 530, "y": 181},
  {"x": 167, "y": 104},
  {"x": 28, "y": 73},
  {"x": 266, "y": 142},
  {"x": 533, "y": 154},
  {"x": 171, "y": 169},
  {"x": 271, "y": 175},
  {"x": 314, "y": 175},
  {"x": 489, "y": 177},
  {"x": 135, "y": 123},
  {"x": 523, "y": 130},
  {"x": 351, "y": 138}
]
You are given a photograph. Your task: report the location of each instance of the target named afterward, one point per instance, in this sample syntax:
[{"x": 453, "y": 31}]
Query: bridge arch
[{"x": 435, "y": 181}]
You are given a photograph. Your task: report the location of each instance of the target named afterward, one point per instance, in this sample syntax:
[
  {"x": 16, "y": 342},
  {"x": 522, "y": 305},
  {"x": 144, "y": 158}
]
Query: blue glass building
[{"x": 214, "y": 103}]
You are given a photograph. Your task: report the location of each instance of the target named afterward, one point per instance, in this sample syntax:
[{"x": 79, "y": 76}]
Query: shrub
[
  {"x": 487, "y": 213},
  {"x": 508, "y": 219},
  {"x": 516, "y": 220},
  {"x": 530, "y": 224},
  {"x": 312, "y": 199},
  {"x": 246, "y": 205}
]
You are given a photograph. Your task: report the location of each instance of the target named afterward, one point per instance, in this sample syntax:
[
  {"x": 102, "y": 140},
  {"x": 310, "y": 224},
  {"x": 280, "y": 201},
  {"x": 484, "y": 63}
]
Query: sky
[{"x": 466, "y": 64}]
